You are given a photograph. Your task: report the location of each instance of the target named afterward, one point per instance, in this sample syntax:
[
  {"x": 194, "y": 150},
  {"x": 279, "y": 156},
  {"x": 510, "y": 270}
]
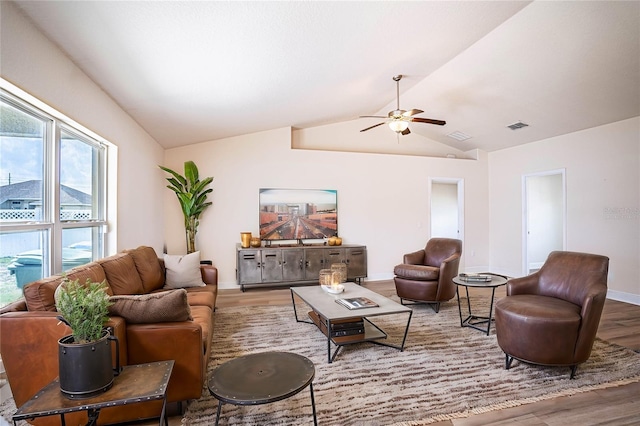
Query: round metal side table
[
  {"x": 474, "y": 321},
  {"x": 262, "y": 378}
]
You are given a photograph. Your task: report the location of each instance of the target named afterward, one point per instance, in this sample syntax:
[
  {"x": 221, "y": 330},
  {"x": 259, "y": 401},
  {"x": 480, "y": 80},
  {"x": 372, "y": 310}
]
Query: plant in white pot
[
  {"x": 84, "y": 357},
  {"x": 192, "y": 195}
]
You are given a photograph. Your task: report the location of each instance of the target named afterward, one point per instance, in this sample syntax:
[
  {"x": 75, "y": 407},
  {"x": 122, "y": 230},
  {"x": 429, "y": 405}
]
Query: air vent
[
  {"x": 459, "y": 136},
  {"x": 518, "y": 125}
]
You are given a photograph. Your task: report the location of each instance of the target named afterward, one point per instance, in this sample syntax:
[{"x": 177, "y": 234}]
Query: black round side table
[{"x": 262, "y": 378}]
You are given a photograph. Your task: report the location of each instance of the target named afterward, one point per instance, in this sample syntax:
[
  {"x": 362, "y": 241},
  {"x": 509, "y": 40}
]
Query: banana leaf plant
[{"x": 192, "y": 195}]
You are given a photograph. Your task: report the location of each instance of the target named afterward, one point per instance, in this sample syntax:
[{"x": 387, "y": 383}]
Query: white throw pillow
[{"x": 183, "y": 271}]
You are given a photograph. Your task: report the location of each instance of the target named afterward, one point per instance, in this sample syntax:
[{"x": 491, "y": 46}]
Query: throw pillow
[
  {"x": 183, "y": 271},
  {"x": 164, "y": 306}
]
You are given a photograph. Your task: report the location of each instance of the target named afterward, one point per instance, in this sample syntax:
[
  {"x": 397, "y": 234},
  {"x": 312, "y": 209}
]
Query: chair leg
[
  {"x": 436, "y": 307},
  {"x": 507, "y": 361},
  {"x": 573, "y": 371}
]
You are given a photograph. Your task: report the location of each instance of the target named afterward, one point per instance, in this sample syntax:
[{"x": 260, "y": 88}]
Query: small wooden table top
[{"x": 136, "y": 383}]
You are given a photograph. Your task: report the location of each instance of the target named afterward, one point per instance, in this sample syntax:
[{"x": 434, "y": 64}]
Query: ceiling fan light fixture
[{"x": 399, "y": 126}]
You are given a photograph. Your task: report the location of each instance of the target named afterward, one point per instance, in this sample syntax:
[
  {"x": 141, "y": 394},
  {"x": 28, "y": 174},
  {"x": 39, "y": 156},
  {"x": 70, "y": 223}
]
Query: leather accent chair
[
  {"x": 551, "y": 316},
  {"x": 426, "y": 276}
]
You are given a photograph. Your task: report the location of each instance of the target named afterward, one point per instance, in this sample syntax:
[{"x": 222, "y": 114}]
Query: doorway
[
  {"x": 447, "y": 208},
  {"x": 544, "y": 217}
]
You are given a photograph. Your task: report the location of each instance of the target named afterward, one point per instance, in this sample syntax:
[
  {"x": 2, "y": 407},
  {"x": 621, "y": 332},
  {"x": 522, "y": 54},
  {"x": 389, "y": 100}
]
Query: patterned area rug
[{"x": 445, "y": 371}]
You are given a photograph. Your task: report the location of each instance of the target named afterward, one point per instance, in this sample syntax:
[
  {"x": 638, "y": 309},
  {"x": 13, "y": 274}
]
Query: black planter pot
[{"x": 86, "y": 369}]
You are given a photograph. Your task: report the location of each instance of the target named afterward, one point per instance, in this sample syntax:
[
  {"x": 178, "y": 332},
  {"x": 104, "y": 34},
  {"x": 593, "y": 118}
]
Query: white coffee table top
[{"x": 325, "y": 303}]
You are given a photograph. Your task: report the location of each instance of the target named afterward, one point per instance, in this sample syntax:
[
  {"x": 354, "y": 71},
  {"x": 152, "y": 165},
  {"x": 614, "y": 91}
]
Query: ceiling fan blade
[
  {"x": 369, "y": 128},
  {"x": 405, "y": 132},
  {"x": 373, "y": 116},
  {"x": 428, "y": 120},
  {"x": 412, "y": 112}
]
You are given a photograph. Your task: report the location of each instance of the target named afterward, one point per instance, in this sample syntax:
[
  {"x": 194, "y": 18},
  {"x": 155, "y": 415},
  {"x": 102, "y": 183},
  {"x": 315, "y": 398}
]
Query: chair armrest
[
  {"x": 591, "y": 311},
  {"x": 523, "y": 285},
  {"x": 415, "y": 258}
]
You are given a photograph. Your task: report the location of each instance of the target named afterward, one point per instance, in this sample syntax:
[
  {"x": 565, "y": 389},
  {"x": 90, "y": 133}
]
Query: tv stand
[{"x": 295, "y": 264}]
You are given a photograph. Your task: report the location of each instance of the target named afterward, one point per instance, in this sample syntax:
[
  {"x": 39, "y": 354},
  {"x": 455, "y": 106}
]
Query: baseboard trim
[{"x": 622, "y": 296}]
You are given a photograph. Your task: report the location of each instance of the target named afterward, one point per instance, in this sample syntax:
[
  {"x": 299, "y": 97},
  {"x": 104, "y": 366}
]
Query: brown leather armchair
[
  {"x": 426, "y": 276},
  {"x": 551, "y": 317}
]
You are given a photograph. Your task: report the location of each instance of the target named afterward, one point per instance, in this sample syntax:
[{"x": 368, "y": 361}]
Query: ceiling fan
[{"x": 399, "y": 119}]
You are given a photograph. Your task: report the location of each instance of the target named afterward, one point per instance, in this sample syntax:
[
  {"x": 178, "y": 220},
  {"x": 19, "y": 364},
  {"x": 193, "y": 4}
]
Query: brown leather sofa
[
  {"x": 30, "y": 332},
  {"x": 426, "y": 275},
  {"x": 551, "y": 317}
]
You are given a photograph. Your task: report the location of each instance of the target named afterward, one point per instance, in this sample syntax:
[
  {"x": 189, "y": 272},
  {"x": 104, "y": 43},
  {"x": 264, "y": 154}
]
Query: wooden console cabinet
[{"x": 278, "y": 266}]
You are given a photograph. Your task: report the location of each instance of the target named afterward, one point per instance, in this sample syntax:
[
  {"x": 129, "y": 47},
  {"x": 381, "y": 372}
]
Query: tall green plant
[
  {"x": 192, "y": 195},
  {"x": 84, "y": 308}
]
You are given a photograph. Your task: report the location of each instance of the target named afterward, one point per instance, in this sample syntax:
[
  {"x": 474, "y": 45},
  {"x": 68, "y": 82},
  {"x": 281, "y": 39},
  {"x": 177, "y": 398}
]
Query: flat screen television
[{"x": 298, "y": 214}]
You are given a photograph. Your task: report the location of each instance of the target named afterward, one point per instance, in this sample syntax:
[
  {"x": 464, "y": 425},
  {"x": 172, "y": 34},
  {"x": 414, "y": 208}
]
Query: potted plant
[
  {"x": 192, "y": 195},
  {"x": 84, "y": 357}
]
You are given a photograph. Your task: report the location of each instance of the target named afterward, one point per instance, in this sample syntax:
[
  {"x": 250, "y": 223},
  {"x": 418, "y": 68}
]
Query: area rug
[{"x": 444, "y": 372}]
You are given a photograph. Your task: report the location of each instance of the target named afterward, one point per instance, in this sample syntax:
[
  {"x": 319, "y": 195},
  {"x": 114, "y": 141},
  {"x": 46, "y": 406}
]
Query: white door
[
  {"x": 544, "y": 217},
  {"x": 446, "y": 217}
]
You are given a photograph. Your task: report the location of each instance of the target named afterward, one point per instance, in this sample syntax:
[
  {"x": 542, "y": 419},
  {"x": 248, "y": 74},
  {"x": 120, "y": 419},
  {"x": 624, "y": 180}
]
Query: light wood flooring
[{"x": 620, "y": 324}]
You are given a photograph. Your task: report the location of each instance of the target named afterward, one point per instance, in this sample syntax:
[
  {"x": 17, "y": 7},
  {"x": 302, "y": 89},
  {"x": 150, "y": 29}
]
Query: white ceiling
[{"x": 194, "y": 71}]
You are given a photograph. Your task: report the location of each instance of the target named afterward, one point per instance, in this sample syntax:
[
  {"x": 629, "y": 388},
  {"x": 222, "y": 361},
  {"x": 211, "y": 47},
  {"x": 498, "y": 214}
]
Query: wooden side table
[{"x": 136, "y": 383}]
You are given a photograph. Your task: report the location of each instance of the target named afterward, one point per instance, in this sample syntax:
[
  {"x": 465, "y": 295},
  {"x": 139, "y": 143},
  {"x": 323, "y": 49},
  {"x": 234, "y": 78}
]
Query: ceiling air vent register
[{"x": 518, "y": 125}]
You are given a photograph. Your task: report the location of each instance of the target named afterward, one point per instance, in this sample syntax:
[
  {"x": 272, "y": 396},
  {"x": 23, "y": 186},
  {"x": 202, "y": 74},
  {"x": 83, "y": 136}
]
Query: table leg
[
  {"x": 459, "y": 308},
  {"x": 493, "y": 293},
  {"x": 218, "y": 412},
  {"x": 293, "y": 302},
  {"x": 313, "y": 405},
  {"x": 93, "y": 416},
  {"x": 163, "y": 413}
]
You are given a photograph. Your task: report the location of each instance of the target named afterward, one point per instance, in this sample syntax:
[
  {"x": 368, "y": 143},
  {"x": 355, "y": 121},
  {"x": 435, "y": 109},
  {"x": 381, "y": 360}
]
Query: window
[{"x": 52, "y": 195}]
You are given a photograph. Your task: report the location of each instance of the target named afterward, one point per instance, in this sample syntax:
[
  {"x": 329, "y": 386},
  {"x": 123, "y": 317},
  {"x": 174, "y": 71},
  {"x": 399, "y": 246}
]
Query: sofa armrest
[
  {"x": 179, "y": 341},
  {"x": 209, "y": 274},
  {"x": 414, "y": 258},
  {"x": 30, "y": 340},
  {"x": 17, "y": 306}
]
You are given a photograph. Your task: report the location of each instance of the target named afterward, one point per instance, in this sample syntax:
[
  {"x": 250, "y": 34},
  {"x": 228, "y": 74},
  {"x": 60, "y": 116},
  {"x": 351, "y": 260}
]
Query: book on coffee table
[{"x": 357, "y": 303}]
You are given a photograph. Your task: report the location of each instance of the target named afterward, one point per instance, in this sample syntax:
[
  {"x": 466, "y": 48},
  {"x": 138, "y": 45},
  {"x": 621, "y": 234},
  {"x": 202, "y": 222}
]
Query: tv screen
[{"x": 298, "y": 214}]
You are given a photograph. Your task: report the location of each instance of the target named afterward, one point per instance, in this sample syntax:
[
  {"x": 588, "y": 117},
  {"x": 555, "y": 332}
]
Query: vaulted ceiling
[{"x": 193, "y": 71}]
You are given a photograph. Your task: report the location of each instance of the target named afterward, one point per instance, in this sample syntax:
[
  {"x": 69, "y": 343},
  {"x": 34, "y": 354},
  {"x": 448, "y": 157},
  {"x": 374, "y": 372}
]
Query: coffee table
[
  {"x": 262, "y": 378},
  {"x": 325, "y": 305},
  {"x": 136, "y": 383},
  {"x": 474, "y": 321}
]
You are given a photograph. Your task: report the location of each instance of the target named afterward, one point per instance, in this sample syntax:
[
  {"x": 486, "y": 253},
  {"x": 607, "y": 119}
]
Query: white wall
[
  {"x": 603, "y": 199},
  {"x": 31, "y": 62},
  {"x": 382, "y": 199}
]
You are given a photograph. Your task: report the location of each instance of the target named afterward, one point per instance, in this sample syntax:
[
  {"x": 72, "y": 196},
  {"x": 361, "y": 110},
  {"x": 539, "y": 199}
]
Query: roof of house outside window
[{"x": 31, "y": 190}]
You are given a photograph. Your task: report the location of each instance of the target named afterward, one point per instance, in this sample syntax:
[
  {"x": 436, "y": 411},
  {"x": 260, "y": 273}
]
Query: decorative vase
[
  {"x": 332, "y": 241},
  {"x": 245, "y": 239},
  {"x": 255, "y": 242},
  {"x": 86, "y": 369},
  {"x": 338, "y": 241}
]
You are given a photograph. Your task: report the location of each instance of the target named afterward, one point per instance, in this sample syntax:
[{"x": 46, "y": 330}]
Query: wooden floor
[{"x": 620, "y": 324}]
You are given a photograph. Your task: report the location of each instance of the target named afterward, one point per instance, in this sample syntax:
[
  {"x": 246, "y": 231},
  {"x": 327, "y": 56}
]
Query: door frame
[{"x": 525, "y": 207}]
